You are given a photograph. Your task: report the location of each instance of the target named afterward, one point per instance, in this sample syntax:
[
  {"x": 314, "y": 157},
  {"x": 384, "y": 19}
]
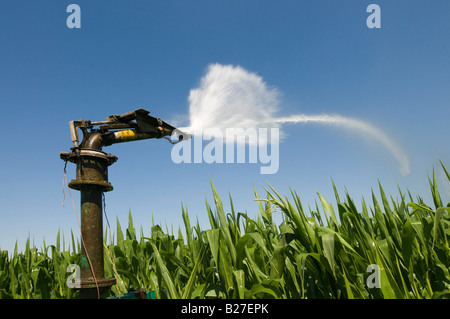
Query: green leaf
[
  {"x": 328, "y": 250},
  {"x": 388, "y": 285},
  {"x": 190, "y": 284},
  {"x": 224, "y": 224},
  {"x": 347, "y": 285},
  {"x": 131, "y": 232},
  {"x": 293, "y": 276},
  {"x": 155, "y": 284},
  {"x": 165, "y": 273},
  {"x": 264, "y": 290},
  {"x": 226, "y": 270},
  {"x": 187, "y": 225},
  {"x": 328, "y": 208},
  {"x": 119, "y": 235},
  {"x": 408, "y": 237},
  {"x": 435, "y": 192},
  {"x": 212, "y": 237},
  {"x": 437, "y": 219},
  {"x": 277, "y": 261},
  {"x": 239, "y": 277}
]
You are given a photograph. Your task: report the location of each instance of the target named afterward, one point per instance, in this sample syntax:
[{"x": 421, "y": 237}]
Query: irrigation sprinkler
[{"x": 92, "y": 181}]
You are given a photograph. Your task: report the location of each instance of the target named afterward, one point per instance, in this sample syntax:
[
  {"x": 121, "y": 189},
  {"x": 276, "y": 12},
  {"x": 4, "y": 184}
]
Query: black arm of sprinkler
[{"x": 131, "y": 126}]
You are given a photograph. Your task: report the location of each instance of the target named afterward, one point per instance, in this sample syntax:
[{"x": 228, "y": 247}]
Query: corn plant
[
  {"x": 388, "y": 249},
  {"x": 37, "y": 274}
]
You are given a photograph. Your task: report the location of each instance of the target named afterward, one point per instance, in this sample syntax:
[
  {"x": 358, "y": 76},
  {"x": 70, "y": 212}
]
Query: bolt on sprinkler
[{"x": 92, "y": 181}]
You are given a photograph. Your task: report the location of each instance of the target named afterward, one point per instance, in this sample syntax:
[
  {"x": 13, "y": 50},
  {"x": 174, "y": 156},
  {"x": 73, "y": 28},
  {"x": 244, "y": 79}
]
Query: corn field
[{"x": 322, "y": 253}]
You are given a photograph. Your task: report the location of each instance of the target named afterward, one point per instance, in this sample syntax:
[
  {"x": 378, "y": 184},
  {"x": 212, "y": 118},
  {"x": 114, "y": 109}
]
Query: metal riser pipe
[
  {"x": 92, "y": 180},
  {"x": 92, "y": 234}
]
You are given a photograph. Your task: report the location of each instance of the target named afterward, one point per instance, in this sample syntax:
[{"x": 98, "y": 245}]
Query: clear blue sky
[{"x": 150, "y": 54}]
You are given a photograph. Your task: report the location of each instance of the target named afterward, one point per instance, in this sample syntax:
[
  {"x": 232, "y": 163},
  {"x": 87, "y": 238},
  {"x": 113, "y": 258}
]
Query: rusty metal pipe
[
  {"x": 91, "y": 232},
  {"x": 94, "y": 142},
  {"x": 91, "y": 180}
]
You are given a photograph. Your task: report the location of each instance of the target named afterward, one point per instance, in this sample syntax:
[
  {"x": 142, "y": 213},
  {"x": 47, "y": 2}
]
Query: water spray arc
[
  {"x": 230, "y": 96},
  {"x": 92, "y": 181},
  {"x": 358, "y": 126}
]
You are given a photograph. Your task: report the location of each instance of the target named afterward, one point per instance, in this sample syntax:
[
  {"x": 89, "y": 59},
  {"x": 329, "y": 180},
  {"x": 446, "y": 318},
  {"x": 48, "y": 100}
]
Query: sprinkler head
[{"x": 178, "y": 136}]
